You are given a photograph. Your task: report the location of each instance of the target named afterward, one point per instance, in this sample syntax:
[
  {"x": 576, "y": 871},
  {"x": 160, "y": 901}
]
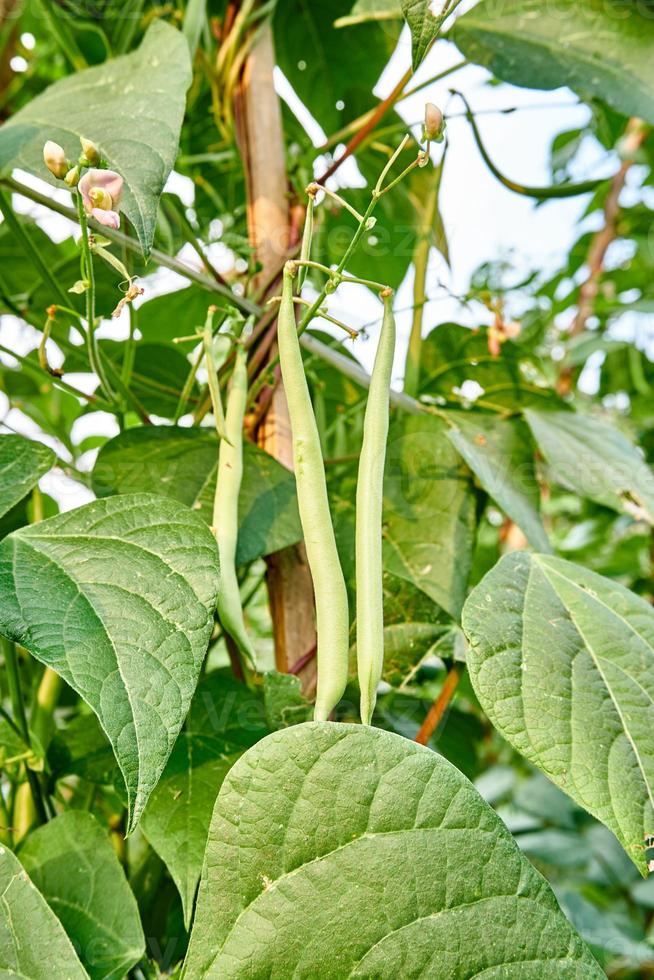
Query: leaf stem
[
  {"x": 18, "y": 709},
  {"x": 440, "y": 706}
]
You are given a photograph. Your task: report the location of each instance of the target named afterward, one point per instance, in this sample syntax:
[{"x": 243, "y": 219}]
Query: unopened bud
[
  {"x": 72, "y": 177},
  {"x": 100, "y": 198},
  {"x": 91, "y": 155},
  {"x": 434, "y": 124},
  {"x": 55, "y": 159}
]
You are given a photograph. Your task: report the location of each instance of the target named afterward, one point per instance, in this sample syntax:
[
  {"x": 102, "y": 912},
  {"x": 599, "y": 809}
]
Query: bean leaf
[
  {"x": 595, "y": 460},
  {"x": 562, "y": 661},
  {"x": 424, "y": 27},
  {"x": 501, "y": 455},
  {"x": 132, "y": 107},
  {"x": 602, "y": 50},
  {"x": 22, "y": 464},
  {"x": 72, "y": 863},
  {"x": 118, "y": 597},
  {"x": 182, "y": 464},
  {"x": 32, "y": 939},
  {"x": 415, "y": 877}
]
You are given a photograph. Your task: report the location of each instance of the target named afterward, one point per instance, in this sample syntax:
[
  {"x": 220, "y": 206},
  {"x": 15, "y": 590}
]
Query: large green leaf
[
  {"x": 72, "y": 863},
  {"x": 22, "y": 464},
  {"x": 118, "y": 597},
  {"x": 225, "y": 719},
  {"x": 344, "y": 851},
  {"x": 181, "y": 463},
  {"x": 597, "y": 49},
  {"x": 33, "y": 943},
  {"x": 429, "y": 511},
  {"x": 562, "y": 661},
  {"x": 501, "y": 455},
  {"x": 132, "y": 107},
  {"x": 595, "y": 460}
]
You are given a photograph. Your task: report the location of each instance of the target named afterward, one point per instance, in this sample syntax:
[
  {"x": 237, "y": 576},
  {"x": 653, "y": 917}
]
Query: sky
[{"x": 483, "y": 220}]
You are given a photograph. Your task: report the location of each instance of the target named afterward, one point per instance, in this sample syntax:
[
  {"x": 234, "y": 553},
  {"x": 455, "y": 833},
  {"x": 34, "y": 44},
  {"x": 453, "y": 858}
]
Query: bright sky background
[{"x": 483, "y": 220}]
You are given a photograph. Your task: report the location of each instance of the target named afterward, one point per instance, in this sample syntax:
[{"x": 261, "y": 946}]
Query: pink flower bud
[
  {"x": 55, "y": 159},
  {"x": 434, "y": 123}
]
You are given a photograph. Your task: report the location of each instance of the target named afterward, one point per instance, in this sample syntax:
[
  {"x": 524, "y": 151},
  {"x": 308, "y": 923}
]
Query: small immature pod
[
  {"x": 370, "y": 492},
  {"x": 332, "y": 617},
  {"x": 225, "y": 511}
]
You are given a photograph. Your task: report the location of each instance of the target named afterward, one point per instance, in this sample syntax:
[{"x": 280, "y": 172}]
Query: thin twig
[{"x": 440, "y": 706}]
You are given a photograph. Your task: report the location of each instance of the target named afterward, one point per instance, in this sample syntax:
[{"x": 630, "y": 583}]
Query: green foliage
[
  {"x": 132, "y": 107},
  {"x": 22, "y": 464},
  {"x": 73, "y": 865},
  {"x": 463, "y": 900},
  {"x": 117, "y": 597},
  {"x": 182, "y": 463},
  {"x": 561, "y": 660},
  {"x": 162, "y": 790},
  {"x": 591, "y": 47},
  {"x": 32, "y": 940}
]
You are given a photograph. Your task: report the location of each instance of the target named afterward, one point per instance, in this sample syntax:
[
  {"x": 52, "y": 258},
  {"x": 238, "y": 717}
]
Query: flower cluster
[{"x": 101, "y": 189}]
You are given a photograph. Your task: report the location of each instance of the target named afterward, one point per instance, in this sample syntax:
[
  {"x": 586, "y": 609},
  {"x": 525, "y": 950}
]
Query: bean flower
[{"x": 101, "y": 192}]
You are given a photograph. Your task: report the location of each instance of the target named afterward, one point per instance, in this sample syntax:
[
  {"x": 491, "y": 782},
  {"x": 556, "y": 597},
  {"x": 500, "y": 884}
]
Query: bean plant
[{"x": 310, "y": 670}]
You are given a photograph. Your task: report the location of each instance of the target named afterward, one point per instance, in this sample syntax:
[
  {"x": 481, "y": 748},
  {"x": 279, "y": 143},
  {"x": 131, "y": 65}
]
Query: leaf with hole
[
  {"x": 72, "y": 863},
  {"x": 391, "y": 862},
  {"x": 118, "y": 597},
  {"x": 562, "y": 661}
]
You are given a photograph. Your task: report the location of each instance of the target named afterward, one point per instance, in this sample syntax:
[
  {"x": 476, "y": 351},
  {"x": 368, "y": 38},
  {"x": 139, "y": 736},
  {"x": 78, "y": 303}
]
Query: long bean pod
[
  {"x": 225, "y": 507},
  {"x": 332, "y": 618},
  {"x": 369, "y": 497}
]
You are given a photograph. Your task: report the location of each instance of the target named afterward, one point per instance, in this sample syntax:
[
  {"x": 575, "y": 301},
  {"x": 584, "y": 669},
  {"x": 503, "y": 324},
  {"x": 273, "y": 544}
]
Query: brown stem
[
  {"x": 378, "y": 113},
  {"x": 440, "y": 706},
  {"x": 261, "y": 141},
  {"x": 635, "y": 136}
]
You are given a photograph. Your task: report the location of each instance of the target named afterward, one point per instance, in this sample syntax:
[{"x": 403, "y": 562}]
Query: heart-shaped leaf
[
  {"x": 591, "y": 47},
  {"x": 22, "y": 464},
  {"x": 562, "y": 661},
  {"x": 118, "y": 597},
  {"x": 72, "y": 863},
  {"x": 132, "y": 107},
  {"x": 345, "y": 851},
  {"x": 182, "y": 464},
  {"x": 424, "y": 27},
  {"x": 32, "y": 939}
]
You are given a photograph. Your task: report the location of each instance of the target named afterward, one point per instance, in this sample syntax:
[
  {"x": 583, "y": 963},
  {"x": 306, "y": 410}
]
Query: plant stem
[
  {"x": 438, "y": 709},
  {"x": 91, "y": 343},
  {"x": 25, "y": 817}
]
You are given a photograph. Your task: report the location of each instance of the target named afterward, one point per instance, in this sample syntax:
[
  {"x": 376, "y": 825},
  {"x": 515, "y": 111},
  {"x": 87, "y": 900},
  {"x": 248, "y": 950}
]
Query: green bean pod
[
  {"x": 307, "y": 235},
  {"x": 369, "y": 498},
  {"x": 332, "y": 617},
  {"x": 225, "y": 509}
]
